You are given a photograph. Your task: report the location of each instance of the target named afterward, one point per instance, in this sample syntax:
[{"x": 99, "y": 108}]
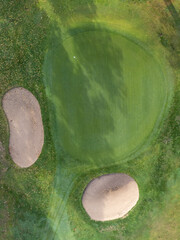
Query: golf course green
[{"x": 108, "y": 94}]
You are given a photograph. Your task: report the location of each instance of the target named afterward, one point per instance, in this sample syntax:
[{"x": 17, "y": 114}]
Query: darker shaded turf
[{"x": 24, "y": 192}]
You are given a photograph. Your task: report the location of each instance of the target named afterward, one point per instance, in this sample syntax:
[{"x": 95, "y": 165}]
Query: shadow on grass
[
  {"x": 74, "y": 97},
  {"x": 85, "y": 96},
  {"x": 172, "y": 41},
  {"x": 173, "y": 13},
  {"x": 81, "y": 113}
]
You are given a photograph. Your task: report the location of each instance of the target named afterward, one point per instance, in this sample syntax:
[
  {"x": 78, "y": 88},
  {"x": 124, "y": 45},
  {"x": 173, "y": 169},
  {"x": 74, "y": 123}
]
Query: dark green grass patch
[{"x": 24, "y": 192}]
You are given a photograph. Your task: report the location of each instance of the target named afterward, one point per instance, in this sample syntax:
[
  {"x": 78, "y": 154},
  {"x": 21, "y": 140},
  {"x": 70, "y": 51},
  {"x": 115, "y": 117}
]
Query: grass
[
  {"x": 24, "y": 192},
  {"x": 168, "y": 220},
  {"x": 108, "y": 94},
  {"x": 39, "y": 203}
]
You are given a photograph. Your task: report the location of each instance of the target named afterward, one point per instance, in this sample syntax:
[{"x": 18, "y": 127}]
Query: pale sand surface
[
  {"x": 110, "y": 196},
  {"x": 26, "y": 128}
]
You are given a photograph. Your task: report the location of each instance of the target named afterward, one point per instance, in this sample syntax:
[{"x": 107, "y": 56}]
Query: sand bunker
[
  {"x": 26, "y": 128},
  {"x": 110, "y": 196}
]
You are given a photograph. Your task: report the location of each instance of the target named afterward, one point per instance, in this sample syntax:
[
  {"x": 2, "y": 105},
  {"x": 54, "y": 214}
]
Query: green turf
[
  {"x": 38, "y": 41},
  {"x": 108, "y": 94}
]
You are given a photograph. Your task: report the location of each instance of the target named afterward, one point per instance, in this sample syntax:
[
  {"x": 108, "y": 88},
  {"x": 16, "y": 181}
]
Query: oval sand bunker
[
  {"x": 26, "y": 128},
  {"x": 110, "y": 196}
]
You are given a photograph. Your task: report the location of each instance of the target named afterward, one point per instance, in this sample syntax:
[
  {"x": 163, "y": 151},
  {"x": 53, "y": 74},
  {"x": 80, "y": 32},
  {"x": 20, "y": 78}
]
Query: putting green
[{"x": 108, "y": 94}]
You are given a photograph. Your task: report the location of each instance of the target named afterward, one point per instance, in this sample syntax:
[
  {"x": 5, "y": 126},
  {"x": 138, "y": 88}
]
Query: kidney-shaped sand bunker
[
  {"x": 26, "y": 128},
  {"x": 110, "y": 196}
]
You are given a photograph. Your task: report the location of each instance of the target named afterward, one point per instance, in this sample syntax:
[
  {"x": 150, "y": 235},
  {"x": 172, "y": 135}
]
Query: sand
[
  {"x": 26, "y": 128},
  {"x": 110, "y": 196}
]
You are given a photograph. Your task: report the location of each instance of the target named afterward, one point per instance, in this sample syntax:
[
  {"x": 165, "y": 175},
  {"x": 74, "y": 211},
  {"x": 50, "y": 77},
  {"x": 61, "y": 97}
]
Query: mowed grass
[
  {"x": 108, "y": 95},
  {"x": 28, "y": 202}
]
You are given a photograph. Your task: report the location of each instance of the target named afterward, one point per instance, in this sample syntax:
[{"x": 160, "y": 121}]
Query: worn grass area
[{"x": 29, "y": 207}]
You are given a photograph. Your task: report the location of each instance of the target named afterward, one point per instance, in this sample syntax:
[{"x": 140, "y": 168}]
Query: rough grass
[{"x": 25, "y": 193}]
